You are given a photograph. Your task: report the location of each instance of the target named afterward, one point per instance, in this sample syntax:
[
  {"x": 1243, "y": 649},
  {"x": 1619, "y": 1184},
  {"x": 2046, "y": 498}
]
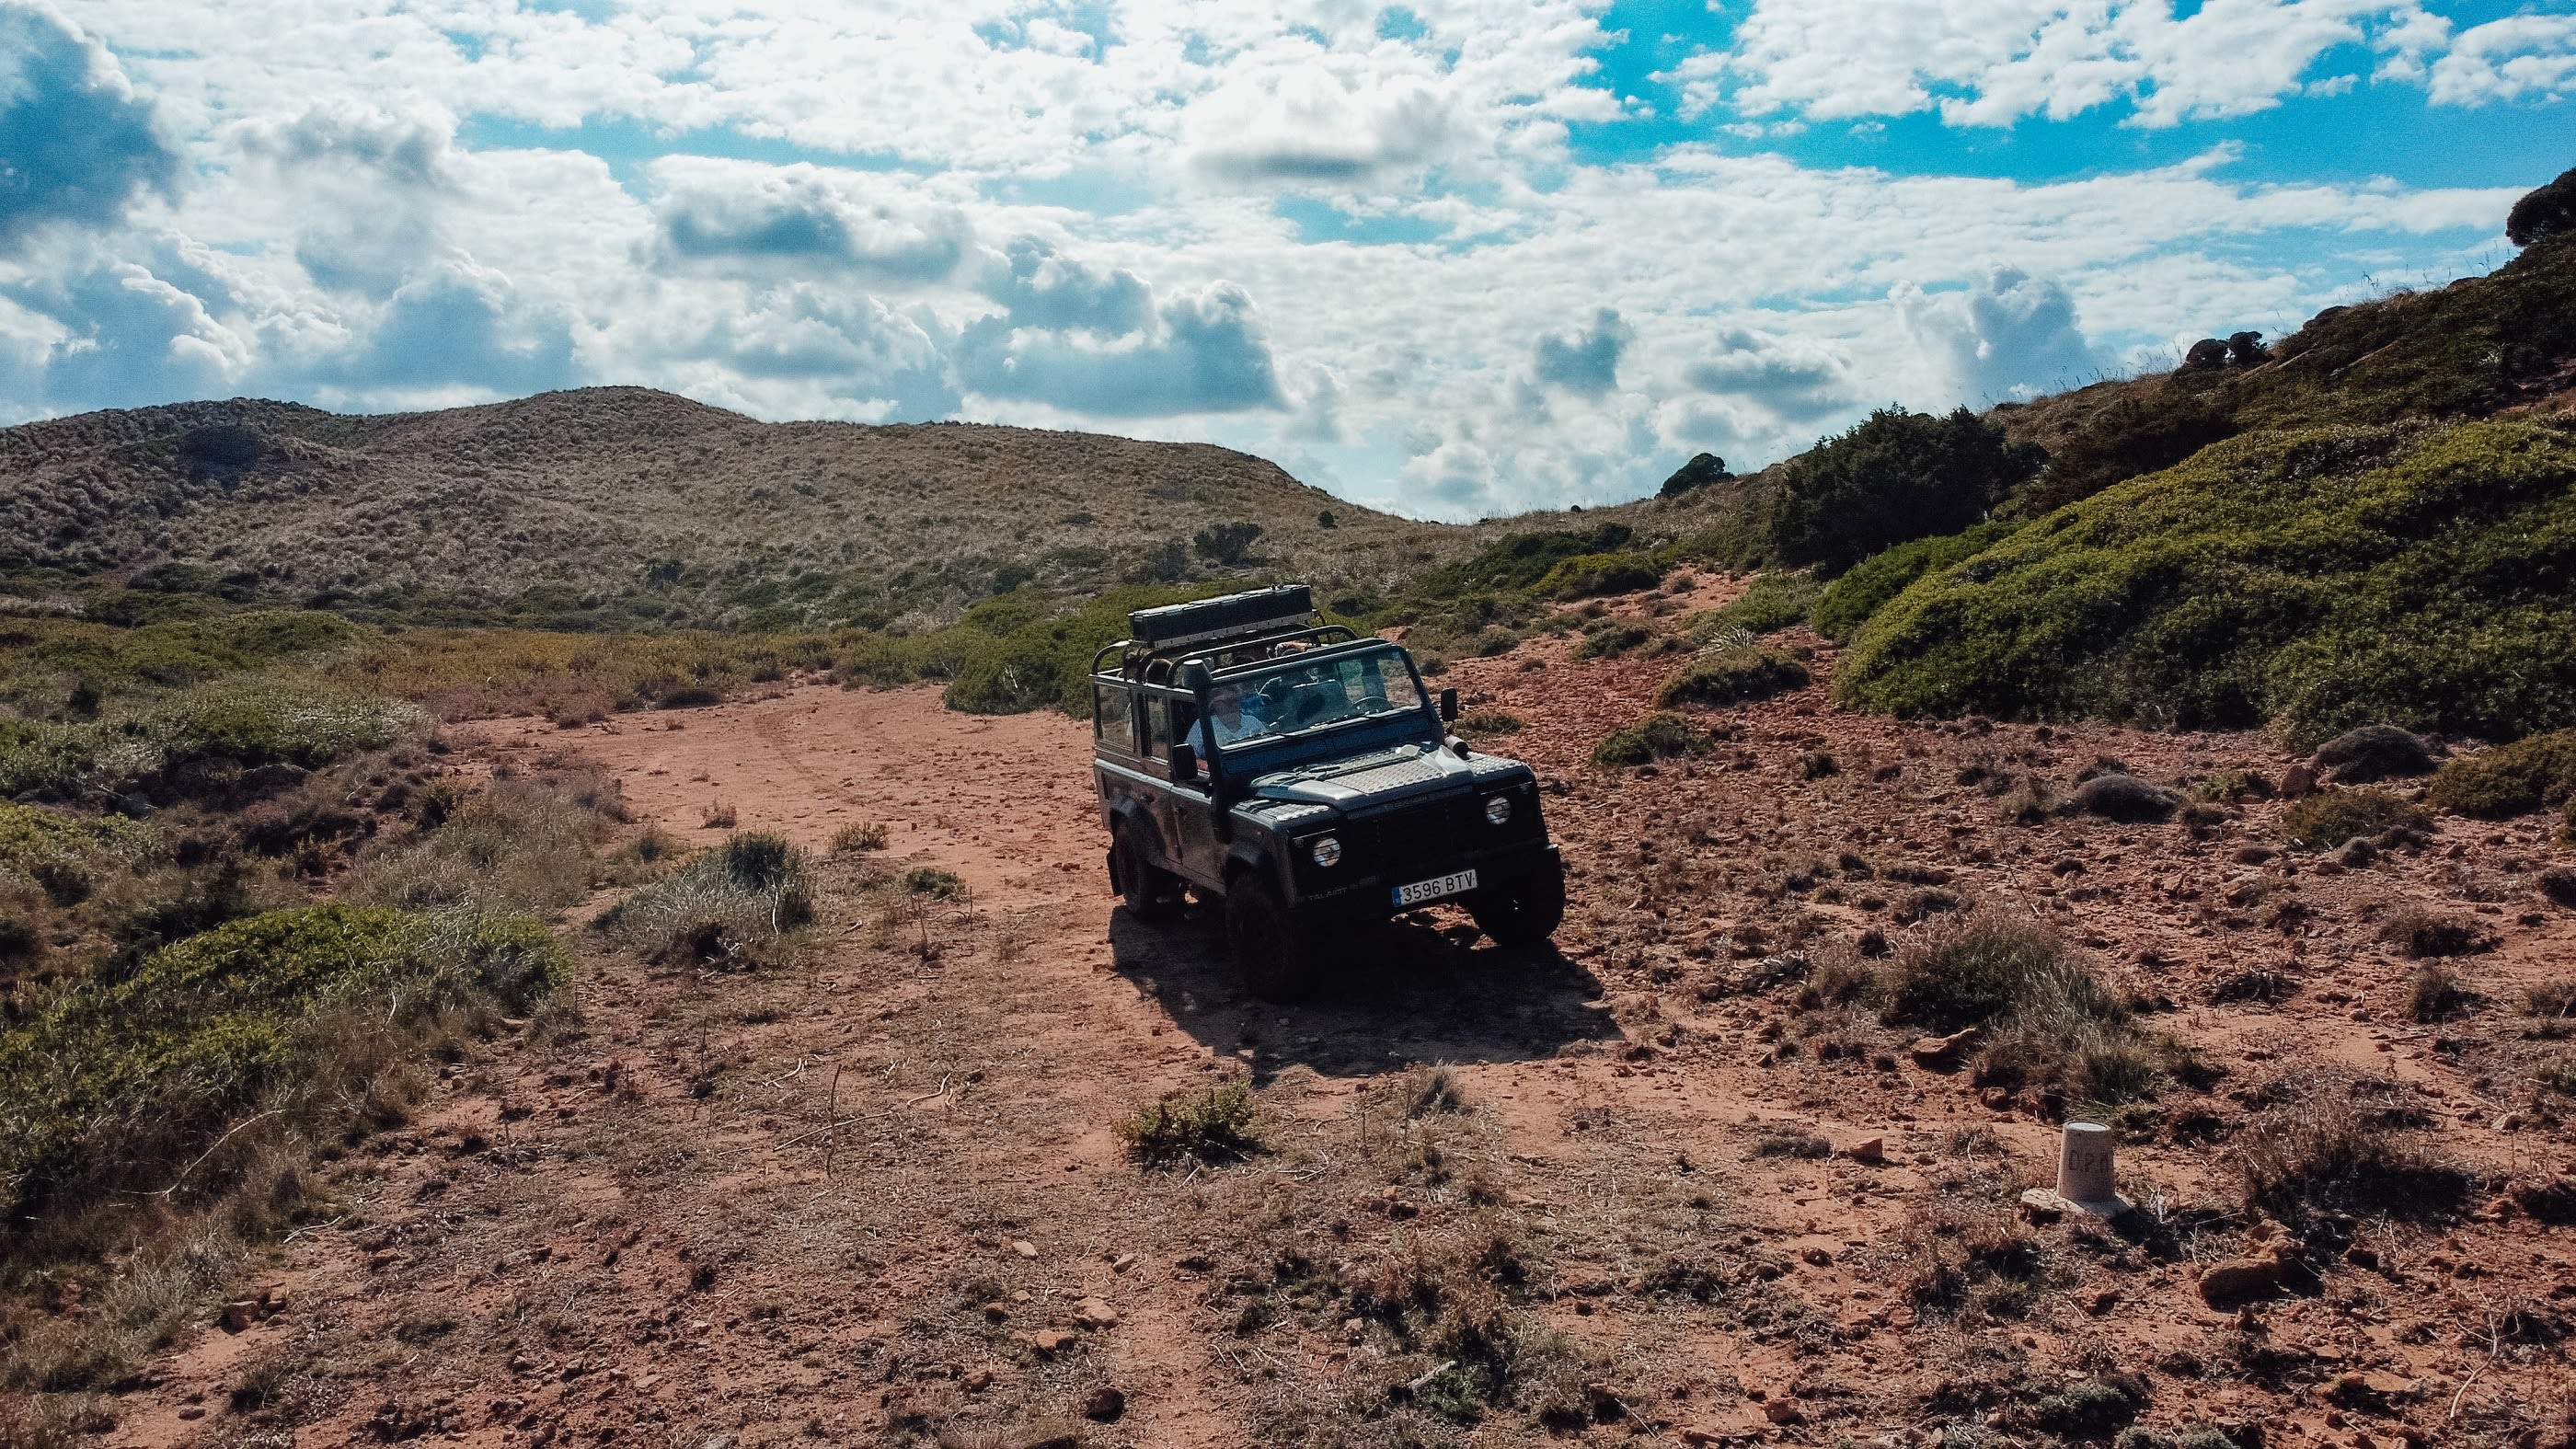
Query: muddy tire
[
  {"x": 1151, "y": 893},
  {"x": 1521, "y": 912},
  {"x": 1272, "y": 947}
]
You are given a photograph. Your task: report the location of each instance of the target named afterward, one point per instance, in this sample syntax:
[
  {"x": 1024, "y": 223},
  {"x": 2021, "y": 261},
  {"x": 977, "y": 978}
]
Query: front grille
[{"x": 1423, "y": 836}]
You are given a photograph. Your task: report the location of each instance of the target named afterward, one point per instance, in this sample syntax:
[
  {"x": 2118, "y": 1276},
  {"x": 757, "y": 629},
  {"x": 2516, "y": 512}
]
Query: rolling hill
[{"x": 615, "y": 507}]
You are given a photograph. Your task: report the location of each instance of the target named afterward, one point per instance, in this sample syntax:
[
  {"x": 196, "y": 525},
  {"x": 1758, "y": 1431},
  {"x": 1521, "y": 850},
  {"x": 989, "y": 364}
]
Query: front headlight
[
  {"x": 1327, "y": 852},
  {"x": 1498, "y": 810}
]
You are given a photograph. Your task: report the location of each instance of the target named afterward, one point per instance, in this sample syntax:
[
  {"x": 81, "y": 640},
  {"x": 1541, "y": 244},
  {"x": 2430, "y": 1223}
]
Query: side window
[
  {"x": 1113, "y": 721},
  {"x": 1185, "y": 713},
  {"x": 1158, "y": 737}
]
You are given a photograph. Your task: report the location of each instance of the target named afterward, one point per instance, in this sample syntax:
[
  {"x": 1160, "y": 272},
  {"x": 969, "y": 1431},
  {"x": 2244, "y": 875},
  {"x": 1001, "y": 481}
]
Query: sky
[{"x": 1453, "y": 258}]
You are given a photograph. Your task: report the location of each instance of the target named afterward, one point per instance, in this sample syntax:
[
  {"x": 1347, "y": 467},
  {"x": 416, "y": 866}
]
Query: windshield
[{"x": 1290, "y": 698}]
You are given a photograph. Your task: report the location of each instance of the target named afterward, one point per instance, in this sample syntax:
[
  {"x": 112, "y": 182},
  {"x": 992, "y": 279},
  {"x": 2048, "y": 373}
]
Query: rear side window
[
  {"x": 1113, "y": 719},
  {"x": 1158, "y": 734}
]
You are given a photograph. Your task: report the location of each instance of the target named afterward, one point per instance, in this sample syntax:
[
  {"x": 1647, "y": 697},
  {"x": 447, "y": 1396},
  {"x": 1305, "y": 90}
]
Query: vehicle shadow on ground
[{"x": 1404, "y": 993}]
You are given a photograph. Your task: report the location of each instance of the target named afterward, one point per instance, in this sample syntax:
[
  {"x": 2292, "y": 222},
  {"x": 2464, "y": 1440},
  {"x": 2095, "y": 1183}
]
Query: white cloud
[
  {"x": 1077, "y": 216},
  {"x": 2508, "y": 60},
  {"x": 1993, "y": 63},
  {"x": 2008, "y": 335}
]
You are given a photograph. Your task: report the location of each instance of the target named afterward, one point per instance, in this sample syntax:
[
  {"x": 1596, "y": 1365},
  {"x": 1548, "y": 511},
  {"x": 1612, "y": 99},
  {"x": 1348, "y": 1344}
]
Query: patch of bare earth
[{"x": 877, "y": 1197}]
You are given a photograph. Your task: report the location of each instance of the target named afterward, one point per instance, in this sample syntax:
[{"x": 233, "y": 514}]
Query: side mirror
[
  {"x": 1448, "y": 705},
  {"x": 1185, "y": 762}
]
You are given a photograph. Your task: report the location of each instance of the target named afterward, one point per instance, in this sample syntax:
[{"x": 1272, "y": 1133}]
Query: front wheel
[
  {"x": 1274, "y": 949},
  {"x": 1151, "y": 893},
  {"x": 1522, "y": 911}
]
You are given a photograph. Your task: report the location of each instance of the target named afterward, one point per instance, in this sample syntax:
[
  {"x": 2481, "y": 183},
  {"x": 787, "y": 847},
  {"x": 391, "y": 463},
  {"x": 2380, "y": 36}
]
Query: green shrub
[
  {"x": 2326, "y": 579},
  {"x": 119, "y": 1081},
  {"x": 2528, "y": 775},
  {"x": 1731, "y": 676},
  {"x": 1488, "y": 722},
  {"x": 1894, "y": 477},
  {"x": 1772, "y": 602},
  {"x": 1013, "y": 654},
  {"x": 1517, "y": 563},
  {"x": 931, "y": 881},
  {"x": 1849, "y": 601},
  {"x": 1611, "y": 640},
  {"x": 258, "y": 722},
  {"x": 36, "y": 842},
  {"x": 1214, "y": 1125},
  {"x": 1659, "y": 736},
  {"x": 1587, "y": 575},
  {"x": 2141, "y": 428},
  {"x": 2322, "y": 822}
]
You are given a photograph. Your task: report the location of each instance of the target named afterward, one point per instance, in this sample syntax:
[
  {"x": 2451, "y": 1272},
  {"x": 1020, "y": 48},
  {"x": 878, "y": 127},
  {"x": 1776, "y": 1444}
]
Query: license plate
[{"x": 1434, "y": 888}]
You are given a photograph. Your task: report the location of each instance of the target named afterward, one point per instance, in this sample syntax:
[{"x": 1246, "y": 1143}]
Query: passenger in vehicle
[{"x": 1228, "y": 717}]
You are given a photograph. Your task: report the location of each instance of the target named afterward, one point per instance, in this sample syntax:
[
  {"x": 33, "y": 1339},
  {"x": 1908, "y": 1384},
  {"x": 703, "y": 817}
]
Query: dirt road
[{"x": 877, "y": 1198}]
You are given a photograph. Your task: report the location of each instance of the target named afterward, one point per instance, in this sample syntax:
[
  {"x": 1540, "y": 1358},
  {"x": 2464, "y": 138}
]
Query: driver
[{"x": 1227, "y": 718}]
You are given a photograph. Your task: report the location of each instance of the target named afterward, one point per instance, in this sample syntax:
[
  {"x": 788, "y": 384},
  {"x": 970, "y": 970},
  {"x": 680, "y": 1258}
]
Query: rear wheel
[
  {"x": 1151, "y": 893},
  {"x": 1274, "y": 949},
  {"x": 1522, "y": 911}
]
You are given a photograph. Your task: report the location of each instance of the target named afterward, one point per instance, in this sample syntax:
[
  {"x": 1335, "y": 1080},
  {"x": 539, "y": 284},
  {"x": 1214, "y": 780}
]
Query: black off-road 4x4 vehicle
[{"x": 1298, "y": 771}]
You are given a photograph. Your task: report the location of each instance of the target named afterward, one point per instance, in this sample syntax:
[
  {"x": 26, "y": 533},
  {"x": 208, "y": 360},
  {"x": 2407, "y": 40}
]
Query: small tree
[
  {"x": 1325, "y": 519},
  {"x": 2544, "y": 213},
  {"x": 1226, "y": 543},
  {"x": 1896, "y": 477}
]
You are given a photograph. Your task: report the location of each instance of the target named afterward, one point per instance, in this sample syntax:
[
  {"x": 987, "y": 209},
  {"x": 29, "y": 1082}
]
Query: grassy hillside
[
  {"x": 2475, "y": 348},
  {"x": 621, "y": 507},
  {"x": 2329, "y": 577}
]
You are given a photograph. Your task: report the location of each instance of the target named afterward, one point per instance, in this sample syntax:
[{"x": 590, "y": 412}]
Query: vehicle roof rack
[
  {"x": 1214, "y": 621},
  {"x": 1248, "y": 624}
]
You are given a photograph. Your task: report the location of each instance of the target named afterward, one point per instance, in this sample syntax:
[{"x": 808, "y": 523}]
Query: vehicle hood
[{"x": 1384, "y": 777}]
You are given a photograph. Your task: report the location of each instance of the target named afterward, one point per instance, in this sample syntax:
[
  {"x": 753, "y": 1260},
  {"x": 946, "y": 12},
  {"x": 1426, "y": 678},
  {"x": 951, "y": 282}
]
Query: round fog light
[
  {"x": 1327, "y": 851},
  {"x": 1498, "y": 810}
]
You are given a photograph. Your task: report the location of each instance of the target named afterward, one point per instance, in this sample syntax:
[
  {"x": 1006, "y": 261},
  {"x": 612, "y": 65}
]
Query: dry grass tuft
[
  {"x": 2423, "y": 932},
  {"x": 2334, "y": 1141},
  {"x": 858, "y": 837},
  {"x": 2433, "y": 993}
]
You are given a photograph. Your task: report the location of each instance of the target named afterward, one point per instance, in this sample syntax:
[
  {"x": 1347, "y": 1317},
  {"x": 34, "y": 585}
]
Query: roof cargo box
[{"x": 1235, "y": 616}]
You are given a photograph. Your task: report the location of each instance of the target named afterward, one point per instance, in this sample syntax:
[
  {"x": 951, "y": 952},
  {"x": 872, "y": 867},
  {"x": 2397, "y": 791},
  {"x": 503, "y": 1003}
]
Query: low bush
[
  {"x": 859, "y": 836},
  {"x": 2325, "y": 821},
  {"x": 2374, "y": 752},
  {"x": 1618, "y": 637},
  {"x": 2433, "y": 993},
  {"x": 1484, "y": 722},
  {"x": 2335, "y": 1142},
  {"x": 1849, "y": 601},
  {"x": 114, "y": 1086},
  {"x": 2325, "y": 578},
  {"x": 1659, "y": 736},
  {"x": 1592, "y": 575},
  {"x": 2050, "y": 1021},
  {"x": 2528, "y": 775},
  {"x": 1216, "y": 1125},
  {"x": 1731, "y": 676},
  {"x": 2125, "y": 797},
  {"x": 523, "y": 842},
  {"x": 2421, "y": 932},
  {"x": 1772, "y": 602}
]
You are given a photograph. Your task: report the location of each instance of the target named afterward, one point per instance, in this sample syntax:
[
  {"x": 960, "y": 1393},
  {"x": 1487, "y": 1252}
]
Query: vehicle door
[
  {"x": 1184, "y": 810},
  {"x": 1116, "y": 762}
]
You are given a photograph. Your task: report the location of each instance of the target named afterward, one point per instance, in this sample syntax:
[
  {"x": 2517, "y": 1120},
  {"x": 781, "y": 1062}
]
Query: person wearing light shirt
[{"x": 1228, "y": 718}]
